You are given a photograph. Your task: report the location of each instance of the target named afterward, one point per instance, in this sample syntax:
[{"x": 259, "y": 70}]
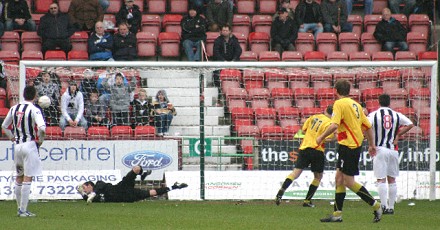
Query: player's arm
[
  {"x": 39, "y": 120},
  {"x": 6, "y": 126},
  {"x": 330, "y": 129}
]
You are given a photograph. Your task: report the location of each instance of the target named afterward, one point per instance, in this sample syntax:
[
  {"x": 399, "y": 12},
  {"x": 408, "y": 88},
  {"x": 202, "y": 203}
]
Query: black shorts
[
  {"x": 312, "y": 157},
  {"x": 348, "y": 160}
]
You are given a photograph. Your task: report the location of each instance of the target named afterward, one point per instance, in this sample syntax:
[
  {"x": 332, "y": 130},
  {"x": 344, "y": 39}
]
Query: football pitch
[{"x": 164, "y": 214}]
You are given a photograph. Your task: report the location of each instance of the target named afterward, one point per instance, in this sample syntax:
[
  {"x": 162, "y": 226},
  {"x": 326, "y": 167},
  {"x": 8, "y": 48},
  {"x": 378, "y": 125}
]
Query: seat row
[{"x": 101, "y": 133}]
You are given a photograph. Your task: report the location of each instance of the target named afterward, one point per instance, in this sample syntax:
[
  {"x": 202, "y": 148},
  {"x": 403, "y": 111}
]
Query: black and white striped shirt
[
  {"x": 24, "y": 120},
  {"x": 385, "y": 123}
]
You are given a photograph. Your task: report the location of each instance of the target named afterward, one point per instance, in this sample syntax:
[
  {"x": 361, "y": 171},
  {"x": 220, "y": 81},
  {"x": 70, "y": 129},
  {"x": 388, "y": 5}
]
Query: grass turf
[{"x": 164, "y": 214}]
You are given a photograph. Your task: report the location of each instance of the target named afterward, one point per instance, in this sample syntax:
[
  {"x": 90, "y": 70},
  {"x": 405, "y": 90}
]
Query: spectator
[
  {"x": 18, "y": 16},
  {"x": 100, "y": 44},
  {"x": 124, "y": 44},
  {"x": 104, "y": 5},
  {"x": 309, "y": 17},
  {"x": 49, "y": 88},
  {"x": 407, "y": 10},
  {"x": 120, "y": 98},
  {"x": 164, "y": 112},
  {"x": 193, "y": 34},
  {"x": 95, "y": 113},
  {"x": 104, "y": 97},
  {"x": 218, "y": 14},
  {"x": 390, "y": 33},
  {"x": 226, "y": 46},
  {"x": 130, "y": 14},
  {"x": 72, "y": 107},
  {"x": 368, "y": 6},
  {"x": 142, "y": 108},
  {"x": 199, "y": 5},
  {"x": 88, "y": 84},
  {"x": 55, "y": 30},
  {"x": 334, "y": 13},
  {"x": 285, "y": 4},
  {"x": 283, "y": 32},
  {"x": 85, "y": 13},
  {"x": 2, "y": 26}
]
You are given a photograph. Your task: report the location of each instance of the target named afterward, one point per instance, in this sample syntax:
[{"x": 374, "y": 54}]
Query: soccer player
[
  {"x": 388, "y": 126},
  {"x": 349, "y": 119},
  {"x": 310, "y": 154},
  {"x": 124, "y": 191},
  {"x": 24, "y": 125}
]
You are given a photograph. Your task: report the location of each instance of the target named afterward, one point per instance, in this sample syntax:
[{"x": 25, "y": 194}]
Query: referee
[
  {"x": 388, "y": 126},
  {"x": 24, "y": 125}
]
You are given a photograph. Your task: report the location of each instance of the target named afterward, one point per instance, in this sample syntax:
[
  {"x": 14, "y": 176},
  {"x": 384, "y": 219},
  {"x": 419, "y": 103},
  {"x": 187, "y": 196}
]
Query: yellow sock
[
  {"x": 337, "y": 213},
  {"x": 356, "y": 187},
  {"x": 376, "y": 206},
  {"x": 340, "y": 189},
  {"x": 290, "y": 177},
  {"x": 315, "y": 182}
]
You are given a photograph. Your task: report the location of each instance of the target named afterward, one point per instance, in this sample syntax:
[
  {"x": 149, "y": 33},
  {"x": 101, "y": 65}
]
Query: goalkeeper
[
  {"x": 310, "y": 154},
  {"x": 124, "y": 191}
]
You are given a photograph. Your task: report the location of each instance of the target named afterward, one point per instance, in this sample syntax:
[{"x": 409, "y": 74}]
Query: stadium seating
[
  {"x": 169, "y": 43},
  {"x": 304, "y": 97},
  {"x": 405, "y": 56},
  {"x": 371, "y": 94},
  {"x": 55, "y": 55},
  {"x": 75, "y": 133},
  {"x": 10, "y": 57},
  {"x": 355, "y": 94},
  {"x": 399, "y": 97},
  {"x": 79, "y": 40},
  {"x": 240, "y": 122},
  {"x": 290, "y": 131},
  {"x": 121, "y": 132},
  {"x": 151, "y": 23},
  {"x": 241, "y": 23},
  {"x": 261, "y": 123},
  {"x": 265, "y": 113},
  {"x": 248, "y": 131},
  {"x": 269, "y": 56},
  {"x": 370, "y": 44},
  {"x": 236, "y": 93},
  {"x": 349, "y": 76},
  {"x": 390, "y": 79},
  {"x": 419, "y": 23},
  {"x": 249, "y": 56},
  {"x": 140, "y": 3},
  {"x": 321, "y": 79},
  {"x": 305, "y": 43},
  {"x": 41, "y": 6},
  {"x": 275, "y": 84},
  {"x": 144, "y": 132},
  {"x": 230, "y": 75},
  {"x": 236, "y": 103},
  {"x": 64, "y": 5},
  {"x": 429, "y": 55},
  {"x": 10, "y": 41},
  {"x": 309, "y": 111},
  {"x": 326, "y": 42},
  {"x": 267, "y": 6},
  {"x": 178, "y": 6},
  {"x": 259, "y": 41},
  {"x": 245, "y": 6},
  {"x": 357, "y": 22},
  {"x": 156, "y": 6},
  {"x": 242, "y": 39},
  {"x": 366, "y": 79},
  {"x": 78, "y": 55},
  {"x": 349, "y": 42},
  {"x": 417, "y": 42},
  {"x": 314, "y": 56},
  {"x": 36, "y": 18},
  {"x": 337, "y": 56},
  {"x": 325, "y": 93},
  {"x": 412, "y": 78},
  {"x": 171, "y": 23},
  {"x": 30, "y": 41},
  {"x": 252, "y": 75},
  {"x": 382, "y": 56},
  {"x": 114, "y": 6},
  {"x": 54, "y": 133},
  {"x": 379, "y": 5},
  {"x": 31, "y": 55},
  {"x": 146, "y": 44},
  {"x": 298, "y": 79},
  {"x": 370, "y": 22},
  {"x": 291, "y": 56},
  {"x": 271, "y": 132},
  {"x": 282, "y": 93},
  {"x": 402, "y": 19},
  {"x": 210, "y": 38},
  {"x": 98, "y": 133},
  {"x": 360, "y": 56},
  {"x": 248, "y": 85},
  {"x": 275, "y": 75},
  {"x": 262, "y": 23}
]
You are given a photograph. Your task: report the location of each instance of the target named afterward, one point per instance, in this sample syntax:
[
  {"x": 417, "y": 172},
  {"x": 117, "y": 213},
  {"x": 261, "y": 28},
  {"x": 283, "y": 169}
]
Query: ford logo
[{"x": 147, "y": 160}]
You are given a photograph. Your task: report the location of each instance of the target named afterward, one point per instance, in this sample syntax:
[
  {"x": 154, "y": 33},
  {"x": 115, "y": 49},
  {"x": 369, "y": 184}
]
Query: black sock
[
  {"x": 311, "y": 192},
  {"x": 366, "y": 196},
  {"x": 285, "y": 185},
  {"x": 161, "y": 191},
  {"x": 339, "y": 198}
]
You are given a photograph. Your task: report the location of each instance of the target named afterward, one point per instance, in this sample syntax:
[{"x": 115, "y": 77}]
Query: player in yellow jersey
[
  {"x": 349, "y": 120},
  {"x": 310, "y": 154}
]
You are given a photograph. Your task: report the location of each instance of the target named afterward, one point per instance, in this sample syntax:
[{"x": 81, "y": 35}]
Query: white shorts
[
  {"x": 27, "y": 159},
  {"x": 386, "y": 163}
]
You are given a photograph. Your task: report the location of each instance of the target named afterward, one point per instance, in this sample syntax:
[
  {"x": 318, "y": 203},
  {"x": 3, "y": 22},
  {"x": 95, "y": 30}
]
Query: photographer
[{"x": 72, "y": 107}]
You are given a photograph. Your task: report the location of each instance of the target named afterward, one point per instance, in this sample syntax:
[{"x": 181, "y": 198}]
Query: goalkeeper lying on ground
[{"x": 124, "y": 191}]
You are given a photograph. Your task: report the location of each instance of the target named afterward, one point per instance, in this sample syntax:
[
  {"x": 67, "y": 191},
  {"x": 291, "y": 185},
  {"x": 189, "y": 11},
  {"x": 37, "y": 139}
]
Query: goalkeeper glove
[
  {"x": 90, "y": 198},
  {"x": 80, "y": 190}
]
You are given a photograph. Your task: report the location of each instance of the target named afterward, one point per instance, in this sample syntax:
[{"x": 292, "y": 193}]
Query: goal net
[{"x": 233, "y": 127}]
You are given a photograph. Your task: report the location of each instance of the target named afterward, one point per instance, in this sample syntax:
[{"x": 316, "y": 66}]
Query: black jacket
[
  {"x": 124, "y": 48},
  {"x": 330, "y": 11},
  {"x": 18, "y": 9},
  {"x": 142, "y": 112},
  {"x": 300, "y": 12},
  {"x": 220, "y": 14},
  {"x": 227, "y": 51},
  {"x": 55, "y": 26},
  {"x": 283, "y": 32},
  {"x": 194, "y": 28},
  {"x": 134, "y": 22},
  {"x": 96, "y": 44},
  {"x": 391, "y": 31}
]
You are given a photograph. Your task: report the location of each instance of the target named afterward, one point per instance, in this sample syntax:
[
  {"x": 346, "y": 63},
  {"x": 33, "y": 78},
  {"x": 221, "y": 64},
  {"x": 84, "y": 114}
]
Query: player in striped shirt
[
  {"x": 310, "y": 153},
  {"x": 349, "y": 120},
  {"x": 25, "y": 127},
  {"x": 388, "y": 126}
]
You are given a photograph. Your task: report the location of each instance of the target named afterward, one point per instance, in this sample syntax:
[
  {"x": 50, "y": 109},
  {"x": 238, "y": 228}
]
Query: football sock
[
  {"x": 161, "y": 191},
  {"x": 382, "y": 188},
  {"x": 285, "y": 185},
  {"x": 312, "y": 189},
  {"x": 392, "y": 195},
  {"x": 18, "y": 193},
  {"x": 339, "y": 198},
  {"x": 363, "y": 193},
  {"x": 25, "y": 191}
]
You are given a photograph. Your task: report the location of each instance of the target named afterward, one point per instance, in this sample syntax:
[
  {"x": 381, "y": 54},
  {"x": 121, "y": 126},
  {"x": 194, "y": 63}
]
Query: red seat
[
  {"x": 75, "y": 133},
  {"x": 298, "y": 79},
  {"x": 326, "y": 42},
  {"x": 382, "y": 56},
  {"x": 423, "y": 112},
  {"x": 37, "y": 17},
  {"x": 428, "y": 55},
  {"x": 78, "y": 55},
  {"x": 241, "y": 23},
  {"x": 156, "y": 6},
  {"x": 281, "y": 103},
  {"x": 54, "y": 133},
  {"x": 275, "y": 75},
  {"x": 259, "y": 41},
  {"x": 275, "y": 84},
  {"x": 178, "y": 6},
  {"x": 417, "y": 42},
  {"x": 355, "y": 94},
  {"x": 405, "y": 56},
  {"x": 55, "y": 55},
  {"x": 146, "y": 44},
  {"x": 360, "y": 56},
  {"x": 236, "y": 103},
  {"x": 261, "y": 123},
  {"x": 370, "y": 44},
  {"x": 349, "y": 76},
  {"x": 242, "y": 113},
  {"x": 372, "y": 94},
  {"x": 98, "y": 133},
  {"x": 337, "y": 56},
  {"x": 412, "y": 78},
  {"x": 210, "y": 38},
  {"x": 390, "y": 79},
  {"x": 370, "y": 22},
  {"x": 372, "y": 105},
  {"x": 79, "y": 40},
  {"x": 305, "y": 43},
  {"x": 30, "y": 41},
  {"x": 267, "y": 6},
  {"x": 304, "y": 97},
  {"x": 114, "y": 6},
  {"x": 10, "y": 57},
  {"x": 122, "y": 132},
  {"x": 230, "y": 75},
  {"x": 151, "y": 23},
  {"x": 419, "y": 23},
  {"x": 408, "y": 112},
  {"x": 413, "y": 134},
  {"x": 248, "y": 85},
  {"x": 367, "y": 79},
  {"x": 245, "y": 6},
  {"x": 265, "y": 113},
  {"x": 32, "y": 55},
  {"x": 291, "y": 56},
  {"x": 169, "y": 43},
  {"x": 379, "y": 5},
  {"x": 248, "y": 131},
  {"x": 356, "y": 21},
  {"x": 64, "y": 5},
  {"x": 241, "y": 122},
  {"x": 321, "y": 79},
  {"x": 288, "y": 113},
  {"x": 249, "y": 56},
  {"x": 140, "y": 3},
  {"x": 41, "y": 6},
  {"x": 349, "y": 42},
  {"x": 269, "y": 56},
  {"x": 242, "y": 40},
  {"x": 253, "y": 75},
  {"x": 399, "y": 97},
  {"x": 309, "y": 111},
  {"x": 236, "y": 93},
  {"x": 259, "y": 93},
  {"x": 262, "y": 23},
  {"x": 326, "y": 93},
  {"x": 271, "y": 132},
  {"x": 10, "y": 41},
  {"x": 290, "y": 131},
  {"x": 402, "y": 19},
  {"x": 282, "y": 93},
  {"x": 144, "y": 132},
  {"x": 171, "y": 23},
  {"x": 314, "y": 56}
]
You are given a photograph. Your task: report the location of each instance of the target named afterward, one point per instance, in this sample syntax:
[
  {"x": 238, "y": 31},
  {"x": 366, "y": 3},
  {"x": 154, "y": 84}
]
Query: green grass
[{"x": 164, "y": 214}]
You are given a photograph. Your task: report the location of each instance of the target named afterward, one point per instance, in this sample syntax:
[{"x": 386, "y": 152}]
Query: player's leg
[
  {"x": 129, "y": 179},
  {"x": 340, "y": 192},
  {"x": 392, "y": 195},
  {"x": 380, "y": 163},
  {"x": 317, "y": 166}
]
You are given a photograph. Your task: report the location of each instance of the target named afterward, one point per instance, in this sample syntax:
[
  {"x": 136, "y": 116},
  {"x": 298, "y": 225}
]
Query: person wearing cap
[
  {"x": 131, "y": 14},
  {"x": 334, "y": 14},
  {"x": 72, "y": 107},
  {"x": 284, "y": 32},
  {"x": 193, "y": 34},
  {"x": 85, "y": 13},
  {"x": 285, "y": 4},
  {"x": 100, "y": 44},
  {"x": 309, "y": 17}
]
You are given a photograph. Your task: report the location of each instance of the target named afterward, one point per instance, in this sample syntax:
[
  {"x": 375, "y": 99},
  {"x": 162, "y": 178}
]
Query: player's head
[
  {"x": 329, "y": 110},
  {"x": 342, "y": 87},
  {"x": 88, "y": 187},
  {"x": 29, "y": 93},
  {"x": 384, "y": 100}
]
